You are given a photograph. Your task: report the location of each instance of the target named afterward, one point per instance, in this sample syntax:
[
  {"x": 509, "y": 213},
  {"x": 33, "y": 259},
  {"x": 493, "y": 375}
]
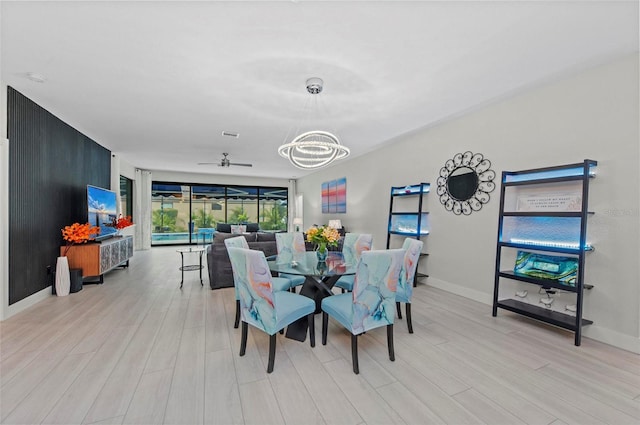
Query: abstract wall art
[{"x": 334, "y": 196}]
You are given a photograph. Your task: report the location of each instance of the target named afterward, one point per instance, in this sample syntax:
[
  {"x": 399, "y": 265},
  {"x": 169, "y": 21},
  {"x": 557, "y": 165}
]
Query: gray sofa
[{"x": 218, "y": 263}]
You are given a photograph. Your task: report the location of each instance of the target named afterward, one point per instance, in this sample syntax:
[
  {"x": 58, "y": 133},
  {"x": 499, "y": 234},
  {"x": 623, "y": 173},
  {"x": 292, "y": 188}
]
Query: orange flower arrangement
[
  {"x": 78, "y": 233},
  {"x": 121, "y": 222}
]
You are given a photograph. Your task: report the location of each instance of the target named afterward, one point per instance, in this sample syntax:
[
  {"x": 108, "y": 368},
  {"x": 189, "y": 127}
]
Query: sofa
[{"x": 219, "y": 265}]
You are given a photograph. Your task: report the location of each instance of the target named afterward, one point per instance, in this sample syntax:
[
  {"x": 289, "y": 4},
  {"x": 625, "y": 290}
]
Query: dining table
[{"x": 320, "y": 276}]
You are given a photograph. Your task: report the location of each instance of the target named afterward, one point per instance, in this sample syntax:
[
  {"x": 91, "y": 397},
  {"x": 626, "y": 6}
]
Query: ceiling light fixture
[
  {"x": 313, "y": 149},
  {"x": 37, "y": 78}
]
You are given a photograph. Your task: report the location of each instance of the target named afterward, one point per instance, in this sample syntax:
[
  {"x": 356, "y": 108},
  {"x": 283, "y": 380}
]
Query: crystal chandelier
[{"x": 313, "y": 149}]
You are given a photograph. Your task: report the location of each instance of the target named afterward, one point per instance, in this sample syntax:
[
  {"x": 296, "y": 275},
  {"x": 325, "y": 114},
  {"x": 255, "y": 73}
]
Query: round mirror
[
  {"x": 465, "y": 182},
  {"x": 462, "y": 183}
]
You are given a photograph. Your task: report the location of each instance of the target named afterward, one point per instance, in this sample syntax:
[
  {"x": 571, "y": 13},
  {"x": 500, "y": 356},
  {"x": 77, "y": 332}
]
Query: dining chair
[
  {"x": 279, "y": 284},
  {"x": 263, "y": 307},
  {"x": 412, "y": 249},
  {"x": 354, "y": 245},
  {"x": 371, "y": 303},
  {"x": 288, "y": 246}
]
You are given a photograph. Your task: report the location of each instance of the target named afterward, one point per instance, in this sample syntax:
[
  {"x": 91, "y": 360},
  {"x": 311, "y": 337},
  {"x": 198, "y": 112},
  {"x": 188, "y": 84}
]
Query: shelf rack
[
  {"x": 412, "y": 224},
  {"x": 556, "y": 225}
]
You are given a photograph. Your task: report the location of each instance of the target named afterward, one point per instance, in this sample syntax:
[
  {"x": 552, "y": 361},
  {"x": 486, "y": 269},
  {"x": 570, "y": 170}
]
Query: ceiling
[{"x": 157, "y": 82}]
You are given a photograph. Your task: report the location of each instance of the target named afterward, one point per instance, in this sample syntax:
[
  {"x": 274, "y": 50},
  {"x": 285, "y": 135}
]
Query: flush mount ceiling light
[
  {"x": 35, "y": 77},
  {"x": 313, "y": 149}
]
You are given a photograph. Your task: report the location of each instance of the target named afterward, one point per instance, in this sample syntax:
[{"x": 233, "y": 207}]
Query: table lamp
[
  {"x": 335, "y": 224},
  {"x": 297, "y": 222}
]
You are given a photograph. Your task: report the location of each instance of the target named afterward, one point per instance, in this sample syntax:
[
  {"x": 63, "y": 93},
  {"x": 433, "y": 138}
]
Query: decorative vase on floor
[{"x": 63, "y": 280}]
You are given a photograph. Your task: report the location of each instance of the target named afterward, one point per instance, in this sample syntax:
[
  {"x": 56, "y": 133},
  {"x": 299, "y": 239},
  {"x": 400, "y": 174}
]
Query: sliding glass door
[{"x": 189, "y": 213}]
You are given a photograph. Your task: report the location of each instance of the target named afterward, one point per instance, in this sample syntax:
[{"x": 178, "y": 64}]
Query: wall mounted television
[{"x": 102, "y": 210}]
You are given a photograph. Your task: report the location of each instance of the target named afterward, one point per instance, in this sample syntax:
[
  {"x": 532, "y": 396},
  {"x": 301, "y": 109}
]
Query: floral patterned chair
[
  {"x": 412, "y": 249},
  {"x": 279, "y": 284},
  {"x": 288, "y": 245},
  {"x": 371, "y": 303},
  {"x": 261, "y": 305},
  {"x": 354, "y": 245}
]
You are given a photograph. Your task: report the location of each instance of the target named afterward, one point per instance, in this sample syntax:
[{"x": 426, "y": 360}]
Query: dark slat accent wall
[{"x": 50, "y": 166}]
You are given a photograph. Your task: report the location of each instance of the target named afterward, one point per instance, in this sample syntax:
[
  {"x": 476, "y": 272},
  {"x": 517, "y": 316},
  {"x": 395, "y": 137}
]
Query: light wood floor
[{"x": 138, "y": 350}]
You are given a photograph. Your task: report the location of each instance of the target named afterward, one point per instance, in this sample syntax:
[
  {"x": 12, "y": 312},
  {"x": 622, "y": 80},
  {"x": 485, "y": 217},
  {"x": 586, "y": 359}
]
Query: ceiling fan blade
[
  {"x": 208, "y": 163},
  {"x": 241, "y": 165}
]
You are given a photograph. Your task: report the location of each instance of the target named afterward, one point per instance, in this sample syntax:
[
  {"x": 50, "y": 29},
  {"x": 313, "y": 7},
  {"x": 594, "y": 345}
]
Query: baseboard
[
  {"x": 25, "y": 303},
  {"x": 463, "y": 291},
  {"x": 597, "y": 333}
]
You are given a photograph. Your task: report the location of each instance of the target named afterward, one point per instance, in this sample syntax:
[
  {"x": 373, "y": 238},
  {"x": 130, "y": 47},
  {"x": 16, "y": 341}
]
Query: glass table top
[{"x": 306, "y": 264}]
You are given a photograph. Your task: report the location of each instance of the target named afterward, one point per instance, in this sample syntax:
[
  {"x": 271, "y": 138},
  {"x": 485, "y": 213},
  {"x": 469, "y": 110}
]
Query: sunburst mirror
[{"x": 465, "y": 182}]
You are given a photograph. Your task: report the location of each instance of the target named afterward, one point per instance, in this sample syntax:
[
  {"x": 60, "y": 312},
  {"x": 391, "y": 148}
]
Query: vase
[
  {"x": 321, "y": 253},
  {"x": 63, "y": 279}
]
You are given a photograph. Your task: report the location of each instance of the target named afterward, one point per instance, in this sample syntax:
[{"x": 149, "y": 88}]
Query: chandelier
[{"x": 313, "y": 149}]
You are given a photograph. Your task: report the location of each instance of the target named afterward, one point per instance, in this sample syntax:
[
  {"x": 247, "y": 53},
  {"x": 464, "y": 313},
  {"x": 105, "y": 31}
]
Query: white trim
[{"x": 25, "y": 303}]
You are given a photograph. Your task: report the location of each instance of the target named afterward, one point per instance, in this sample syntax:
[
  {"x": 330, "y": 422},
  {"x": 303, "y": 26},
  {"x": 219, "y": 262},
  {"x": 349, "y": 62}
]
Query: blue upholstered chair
[
  {"x": 279, "y": 284},
  {"x": 289, "y": 245},
  {"x": 263, "y": 307},
  {"x": 354, "y": 245},
  {"x": 371, "y": 303},
  {"x": 412, "y": 249}
]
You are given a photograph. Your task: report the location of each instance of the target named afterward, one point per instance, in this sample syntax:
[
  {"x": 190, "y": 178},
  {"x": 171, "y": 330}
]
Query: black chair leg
[
  {"x": 354, "y": 353},
  {"x": 343, "y": 291},
  {"x": 243, "y": 341},
  {"x": 409, "y": 324},
  {"x": 398, "y": 308},
  {"x": 392, "y": 355},
  {"x": 272, "y": 352},
  {"x": 312, "y": 329},
  {"x": 237, "y": 322},
  {"x": 325, "y": 324}
]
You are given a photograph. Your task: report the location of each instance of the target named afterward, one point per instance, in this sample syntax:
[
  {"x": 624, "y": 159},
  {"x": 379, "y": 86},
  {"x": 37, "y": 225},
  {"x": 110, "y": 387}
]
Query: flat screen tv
[{"x": 102, "y": 210}]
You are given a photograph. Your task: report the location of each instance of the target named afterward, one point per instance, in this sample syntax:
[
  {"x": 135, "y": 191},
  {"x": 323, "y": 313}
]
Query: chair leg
[
  {"x": 407, "y": 306},
  {"x": 354, "y": 353},
  {"x": 325, "y": 324},
  {"x": 272, "y": 352},
  {"x": 398, "y": 308},
  {"x": 312, "y": 329},
  {"x": 343, "y": 291},
  {"x": 243, "y": 341},
  {"x": 237, "y": 322},
  {"x": 392, "y": 355}
]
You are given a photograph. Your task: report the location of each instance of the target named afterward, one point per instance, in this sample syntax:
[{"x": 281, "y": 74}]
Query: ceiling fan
[{"x": 224, "y": 162}]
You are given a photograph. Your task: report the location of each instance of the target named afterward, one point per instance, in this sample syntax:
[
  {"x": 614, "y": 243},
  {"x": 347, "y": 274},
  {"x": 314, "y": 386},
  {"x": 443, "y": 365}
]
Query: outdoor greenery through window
[{"x": 189, "y": 213}]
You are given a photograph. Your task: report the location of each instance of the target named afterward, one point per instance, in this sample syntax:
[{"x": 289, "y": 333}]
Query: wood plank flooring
[{"x": 139, "y": 350}]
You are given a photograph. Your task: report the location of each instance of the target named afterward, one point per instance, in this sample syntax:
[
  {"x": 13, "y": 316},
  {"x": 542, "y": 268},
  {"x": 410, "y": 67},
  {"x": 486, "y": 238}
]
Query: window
[
  {"x": 181, "y": 213},
  {"x": 126, "y": 196}
]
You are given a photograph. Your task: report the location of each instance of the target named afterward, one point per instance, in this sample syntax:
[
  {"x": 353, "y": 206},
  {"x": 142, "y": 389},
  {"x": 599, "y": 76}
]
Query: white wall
[{"x": 591, "y": 115}]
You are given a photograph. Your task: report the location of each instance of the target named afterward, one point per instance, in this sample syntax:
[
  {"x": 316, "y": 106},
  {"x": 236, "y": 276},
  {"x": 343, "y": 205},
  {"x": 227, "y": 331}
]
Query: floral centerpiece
[
  {"x": 323, "y": 237},
  {"x": 121, "y": 222},
  {"x": 78, "y": 233}
]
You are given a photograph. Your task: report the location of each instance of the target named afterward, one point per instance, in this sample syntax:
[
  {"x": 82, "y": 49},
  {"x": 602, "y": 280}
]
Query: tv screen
[{"x": 101, "y": 205}]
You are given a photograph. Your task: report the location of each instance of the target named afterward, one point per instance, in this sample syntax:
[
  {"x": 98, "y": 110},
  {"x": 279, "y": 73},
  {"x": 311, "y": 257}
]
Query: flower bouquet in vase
[
  {"x": 323, "y": 237},
  {"x": 74, "y": 234},
  {"x": 121, "y": 222}
]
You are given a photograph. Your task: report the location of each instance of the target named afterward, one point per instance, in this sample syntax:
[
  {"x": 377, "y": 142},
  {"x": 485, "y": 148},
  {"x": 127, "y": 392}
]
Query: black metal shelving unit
[
  {"x": 544, "y": 230},
  {"x": 412, "y": 224}
]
